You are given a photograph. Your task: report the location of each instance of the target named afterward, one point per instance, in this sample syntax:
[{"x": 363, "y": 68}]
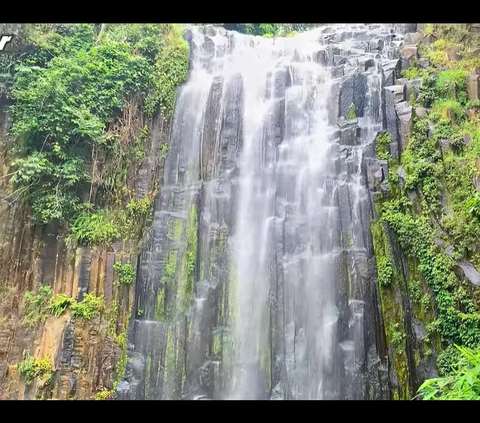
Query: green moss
[
  {"x": 160, "y": 306},
  {"x": 148, "y": 366},
  {"x": 217, "y": 344},
  {"x": 171, "y": 355},
  {"x": 171, "y": 266},
  {"x": 392, "y": 311},
  {"x": 121, "y": 340},
  {"x": 351, "y": 113},
  {"x": 174, "y": 229},
  {"x": 105, "y": 395}
]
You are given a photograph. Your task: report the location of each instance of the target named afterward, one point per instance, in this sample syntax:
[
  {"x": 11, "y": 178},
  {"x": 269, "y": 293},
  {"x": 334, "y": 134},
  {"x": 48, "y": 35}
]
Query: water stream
[{"x": 256, "y": 283}]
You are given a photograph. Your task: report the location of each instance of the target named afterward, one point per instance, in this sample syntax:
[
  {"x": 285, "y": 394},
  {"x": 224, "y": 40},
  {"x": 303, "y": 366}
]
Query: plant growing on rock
[
  {"x": 31, "y": 368},
  {"x": 352, "y": 113},
  {"x": 35, "y": 305},
  {"x": 462, "y": 384},
  {"x": 89, "y": 308},
  {"x": 126, "y": 272}
]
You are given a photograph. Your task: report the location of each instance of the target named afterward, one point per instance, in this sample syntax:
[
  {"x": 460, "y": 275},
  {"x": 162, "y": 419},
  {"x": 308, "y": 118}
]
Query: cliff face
[
  {"x": 263, "y": 285},
  {"x": 86, "y": 356},
  {"x": 349, "y": 272}
]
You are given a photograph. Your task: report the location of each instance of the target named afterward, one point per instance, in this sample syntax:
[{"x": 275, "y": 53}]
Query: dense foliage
[
  {"x": 434, "y": 210},
  {"x": 72, "y": 88},
  {"x": 462, "y": 384}
]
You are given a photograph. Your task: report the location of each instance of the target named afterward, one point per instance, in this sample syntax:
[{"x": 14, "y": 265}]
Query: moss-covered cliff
[
  {"x": 425, "y": 229},
  {"x": 84, "y": 126},
  {"x": 85, "y": 112}
]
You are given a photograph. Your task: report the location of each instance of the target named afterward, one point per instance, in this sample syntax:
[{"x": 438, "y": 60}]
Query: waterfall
[{"x": 257, "y": 280}]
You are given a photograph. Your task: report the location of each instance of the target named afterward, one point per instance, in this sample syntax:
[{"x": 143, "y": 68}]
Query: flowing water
[{"x": 256, "y": 283}]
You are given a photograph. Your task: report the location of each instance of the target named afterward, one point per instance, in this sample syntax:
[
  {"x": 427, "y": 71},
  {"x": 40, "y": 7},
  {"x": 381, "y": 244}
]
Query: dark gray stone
[
  {"x": 320, "y": 57},
  {"x": 391, "y": 70},
  {"x": 469, "y": 272},
  {"x": 350, "y": 136},
  {"x": 365, "y": 63},
  {"x": 404, "y": 113},
  {"x": 339, "y": 60}
]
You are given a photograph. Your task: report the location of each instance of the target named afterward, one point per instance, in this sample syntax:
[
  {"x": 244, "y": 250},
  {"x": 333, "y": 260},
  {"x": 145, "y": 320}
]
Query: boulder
[
  {"x": 339, "y": 60},
  {"x": 413, "y": 38},
  {"x": 409, "y": 55},
  {"x": 391, "y": 70},
  {"x": 377, "y": 171},
  {"x": 391, "y": 120},
  {"x": 473, "y": 87},
  {"x": 337, "y": 72},
  {"x": 413, "y": 86},
  {"x": 210, "y": 31},
  {"x": 350, "y": 136},
  {"x": 420, "y": 111},
  {"x": 453, "y": 53},
  {"x": 398, "y": 91},
  {"x": 365, "y": 63},
  {"x": 376, "y": 44},
  {"x": 320, "y": 57},
  {"x": 424, "y": 63},
  {"x": 469, "y": 272},
  {"x": 402, "y": 176},
  {"x": 404, "y": 114}
]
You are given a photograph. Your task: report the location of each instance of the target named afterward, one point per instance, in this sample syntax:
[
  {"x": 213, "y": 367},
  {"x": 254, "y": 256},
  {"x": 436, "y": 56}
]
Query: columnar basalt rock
[{"x": 198, "y": 353}]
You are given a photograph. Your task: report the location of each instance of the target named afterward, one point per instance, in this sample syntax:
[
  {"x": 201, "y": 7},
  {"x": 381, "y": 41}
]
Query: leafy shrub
[
  {"x": 31, "y": 368},
  {"x": 69, "y": 89},
  {"x": 472, "y": 206},
  {"x": 35, "y": 305},
  {"x": 462, "y": 384},
  {"x": 89, "y": 308},
  {"x": 126, "y": 272},
  {"x": 385, "y": 271},
  {"x": 383, "y": 141},
  {"x": 448, "y": 110},
  {"x": 451, "y": 84},
  {"x": 60, "y": 304},
  {"x": 98, "y": 228}
]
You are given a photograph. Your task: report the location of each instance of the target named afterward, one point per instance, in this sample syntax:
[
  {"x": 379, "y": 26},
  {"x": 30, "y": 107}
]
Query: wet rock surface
[{"x": 359, "y": 58}]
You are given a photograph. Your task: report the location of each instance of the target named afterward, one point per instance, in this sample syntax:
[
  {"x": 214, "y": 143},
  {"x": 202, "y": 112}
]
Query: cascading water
[{"x": 257, "y": 282}]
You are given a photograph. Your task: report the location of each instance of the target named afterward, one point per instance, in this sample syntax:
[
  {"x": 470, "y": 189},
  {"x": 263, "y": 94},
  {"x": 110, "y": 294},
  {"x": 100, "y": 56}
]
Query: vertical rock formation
[{"x": 260, "y": 279}]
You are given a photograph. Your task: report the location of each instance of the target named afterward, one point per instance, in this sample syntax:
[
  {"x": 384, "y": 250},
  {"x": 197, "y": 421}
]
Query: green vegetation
[
  {"x": 31, "y": 368},
  {"x": 40, "y": 304},
  {"x": 125, "y": 271},
  {"x": 351, "y": 113},
  {"x": 436, "y": 207},
  {"x": 76, "y": 90},
  {"x": 385, "y": 271},
  {"x": 383, "y": 141},
  {"x": 60, "y": 304},
  {"x": 270, "y": 30},
  {"x": 89, "y": 308},
  {"x": 121, "y": 341},
  {"x": 35, "y": 305},
  {"x": 105, "y": 395},
  {"x": 462, "y": 384}
]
